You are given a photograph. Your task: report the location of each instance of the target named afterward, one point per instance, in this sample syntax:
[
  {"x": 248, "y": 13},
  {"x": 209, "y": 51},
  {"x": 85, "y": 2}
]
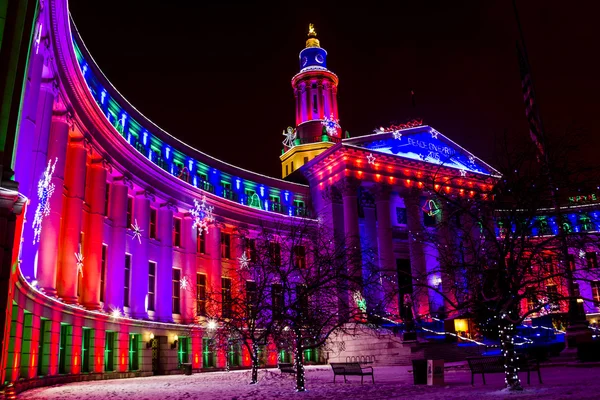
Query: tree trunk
[
  {"x": 299, "y": 361},
  {"x": 507, "y": 335},
  {"x": 254, "y": 365}
]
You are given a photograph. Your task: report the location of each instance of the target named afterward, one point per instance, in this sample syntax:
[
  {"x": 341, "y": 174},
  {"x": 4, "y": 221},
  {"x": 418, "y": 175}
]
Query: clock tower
[{"x": 317, "y": 123}]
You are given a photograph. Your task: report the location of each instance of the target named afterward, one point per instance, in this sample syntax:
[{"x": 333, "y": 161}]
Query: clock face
[
  {"x": 319, "y": 58},
  {"x": 304, "y": 61}
]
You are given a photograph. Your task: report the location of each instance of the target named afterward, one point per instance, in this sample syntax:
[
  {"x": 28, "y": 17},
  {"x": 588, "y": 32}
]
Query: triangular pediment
[{"x": 424, "y": 144}]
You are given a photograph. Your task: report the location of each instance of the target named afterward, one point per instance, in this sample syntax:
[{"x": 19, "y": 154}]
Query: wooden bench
[
  {"x": 351, "y": 368},
  {"x": 286, "y": 368},
  {"x": 495, "y": 364}
]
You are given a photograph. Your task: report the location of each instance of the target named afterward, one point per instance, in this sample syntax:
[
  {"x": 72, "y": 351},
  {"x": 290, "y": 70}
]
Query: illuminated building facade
[{"x": 123, "y": 218}]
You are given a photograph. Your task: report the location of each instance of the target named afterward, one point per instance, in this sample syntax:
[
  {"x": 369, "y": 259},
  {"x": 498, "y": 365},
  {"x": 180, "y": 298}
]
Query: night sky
[{"x": 217, "y": 74}]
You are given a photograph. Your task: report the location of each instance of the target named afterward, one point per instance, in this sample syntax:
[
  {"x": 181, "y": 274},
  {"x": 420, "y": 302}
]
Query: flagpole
[{"x": 575, "y": 326}]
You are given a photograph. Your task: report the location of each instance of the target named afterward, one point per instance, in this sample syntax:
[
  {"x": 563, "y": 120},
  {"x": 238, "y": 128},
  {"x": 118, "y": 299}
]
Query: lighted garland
[{"x": 45, "y": 191}]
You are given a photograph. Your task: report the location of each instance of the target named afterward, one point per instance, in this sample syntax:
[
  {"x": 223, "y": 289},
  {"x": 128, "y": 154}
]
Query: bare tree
[{"x": 500, "y": 248}]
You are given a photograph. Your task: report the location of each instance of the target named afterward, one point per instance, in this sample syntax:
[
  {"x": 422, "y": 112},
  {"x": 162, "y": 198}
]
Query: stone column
[
  {"x": 164, "y": 273},
  {"x": 188, "y": 269},
  {"x": 215, "y": 271},
  {"x": 326, "y": 99},
  {"x": 27, "y": 128},
  {"x": 72, "y": 221},
  {"x": 334, "y": 101},
  {"x": 115, "y": 270},
  {"x": 448, "y": 278},
  {"x": 303, "y": 102},
  {"x": 139, "y": 246},
  {"x": 297, "y": 104},
  {"x": 387, "y": 260},
  {"x": 95, "y": 197},
  {"x": 371, "y": 276},
  {"x": 349, "y": 189},
  {"x": 50, "y": 233},
  {"x": 416, "y": 247}
]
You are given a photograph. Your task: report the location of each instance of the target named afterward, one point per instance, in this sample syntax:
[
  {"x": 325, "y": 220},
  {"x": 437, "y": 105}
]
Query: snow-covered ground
[{"x": 390, "y": 383}]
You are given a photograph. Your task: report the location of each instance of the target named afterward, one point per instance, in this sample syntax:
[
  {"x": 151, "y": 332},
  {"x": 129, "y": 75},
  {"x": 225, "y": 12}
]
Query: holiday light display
[
  {"x": 184, "y": 283},
  {"x": 290, "y": 136},
  {"x": 137, "y": 231},
  {"x": 244, "y": 260},
  {"x": 203, "y": 215},
  {"x": 79, "y": 262},
  {"x": 331, "y": 124},
  {"x": 371, "y": 158},
  {"x": 44, "y": 192}
]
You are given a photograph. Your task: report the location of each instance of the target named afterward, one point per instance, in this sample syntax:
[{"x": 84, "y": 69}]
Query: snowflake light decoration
[
  {"x": 203, "y": 215},
  {"x": 331, "y": 125},
  {"x": 290, "y": 136},
  {"x": 45, "y": 190},
  {"x": 79, "y": 262},
  {"x": 184, "y": 283},
  {"x": 360, "y": 301},
  {"x": 371, "y": 158},
  {"x": 244, "y": 260},
  {"x": 115, "y": 312},
  {"x": 581, "y": 254},
  {"x": 137, "y": 231}
]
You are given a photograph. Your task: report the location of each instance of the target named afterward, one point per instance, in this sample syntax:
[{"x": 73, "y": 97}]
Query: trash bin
[
  {"x": 435, "y": 372},
  {"x": 187, "y": 368},
  {"x": 419, "y": 372}
]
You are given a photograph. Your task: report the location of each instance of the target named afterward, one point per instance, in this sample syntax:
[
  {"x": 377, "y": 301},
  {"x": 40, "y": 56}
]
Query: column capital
[
  {"x": 125, "y": 180},
  {"x": 348, "y": 186},
  {"x": 146, "y": 193},
  {"x": 169, "y": 205},
  {"x": 332, "y": 193}
]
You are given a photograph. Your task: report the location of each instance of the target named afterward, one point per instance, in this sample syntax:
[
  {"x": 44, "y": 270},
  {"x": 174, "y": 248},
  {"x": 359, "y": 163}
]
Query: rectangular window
[
  {"x": 129, "y": 221},
  {"x": 299, "y": 257},
  {"x": 62, "y": 352},
  {"x": 251, "y": 298},
  {"x": 401, "y": 215},
  {"x": 153, "y": 217},
  {"x": 275, "y": 203},
  {"x": 226, "y": 297},
  {"x": 275, "y": 253},
  {"x": 302, "y": 297},
  {"x": 86, "y": 342},
  {"x": 552, "y": 292},
  {"x": 287, "y": 170},
  {"x": 151, "y": 285},
  {"x": 106, "y": 197},
  {"x": 200, "y": 295},
  {"x": 277, "y": 300},
  {"x": 109, "y": 348},
  {"x": 127, "y": 280},
  {"x": 134, "y": 352},
  {"x": 315, "y": 104},
  {"x": 251, "y": 249},
  {"x": 103, "y": 271},
  {"x": 176, "y": 290},
  {"x": 592, "y": 261},
  {"x": 531, "y": 298},
  {"x": 176, "y": 232},
  {"x": 305, "y": 160},
  {"x": 201, "y": 242},
  {"x": 44, "y": 347},
  {"x": 596, "y": 292},
  {"x": 208, "y": 355},
  {"x": 292, "y": 166},
  {"x": 225, "y": 245},
  {"x": 183, "y": 346},
  {"x": 234, "y": 353}
]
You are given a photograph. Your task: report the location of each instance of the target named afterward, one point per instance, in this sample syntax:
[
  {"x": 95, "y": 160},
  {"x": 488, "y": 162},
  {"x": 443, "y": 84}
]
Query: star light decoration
[
  {"x": 434, "y": 134},
  {"x": 463, "y": 172},
  {"x": 115, "y": 312},
  {"x": 397, "y": 135},
  {"x": 203, "y": 215},
  {"x": 184, "y": 283},
  {"x": 331, "y": 125},
  {"x": 45, "y": 191},
  {"x": 371, "y": 158},
  {"x": 79, "y": 262},
  {"x": 290, "y": 136},
  {"x": 244, "y": 260},
  {"x": 137, "y": 231}
]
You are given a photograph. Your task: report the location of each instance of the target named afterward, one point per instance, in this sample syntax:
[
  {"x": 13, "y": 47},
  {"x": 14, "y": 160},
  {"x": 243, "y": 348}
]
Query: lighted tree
[{"x": 505, "y": 252}]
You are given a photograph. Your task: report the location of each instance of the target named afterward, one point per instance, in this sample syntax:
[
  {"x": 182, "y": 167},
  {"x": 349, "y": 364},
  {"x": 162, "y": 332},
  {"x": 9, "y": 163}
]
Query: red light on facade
[
  {"x": 377, "y": 177},
  {"x": 447, "y": 189},
  {"x": 420, "y": 184},
  {"x": 472, "y": 193},
  {"x": 391, "y": 178},
  {"x": 462, "y": 191},
  {"x": 406, "y": 172},
  {"x": 330, "y": 168},
  {"x": 436, "y": 186},
  {"x": 359, "y": 173},
  {"x": 408, "y": 182},
  {"x": 345, "y": 158}
]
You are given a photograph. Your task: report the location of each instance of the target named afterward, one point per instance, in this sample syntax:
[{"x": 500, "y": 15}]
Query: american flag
[{"x": 535, "y": 127}]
